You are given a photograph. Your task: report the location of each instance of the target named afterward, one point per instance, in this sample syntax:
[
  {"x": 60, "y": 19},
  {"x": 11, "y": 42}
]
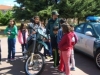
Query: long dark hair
[
  {"x": 21, "y": 26},
  {"x": 13, "y": 22}
]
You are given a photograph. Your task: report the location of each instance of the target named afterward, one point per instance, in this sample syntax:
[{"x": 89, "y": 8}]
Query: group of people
[{"x": 61, "y": 42}]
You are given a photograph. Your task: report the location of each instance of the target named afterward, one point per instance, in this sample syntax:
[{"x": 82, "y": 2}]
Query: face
[
  {"x": 36, "y": 20},
  {"x": 55, "y": 32},
  {"x": 11, "y": 22},
  {"x": 55, "y": 16},
  {"x": 24, "y": 27}
]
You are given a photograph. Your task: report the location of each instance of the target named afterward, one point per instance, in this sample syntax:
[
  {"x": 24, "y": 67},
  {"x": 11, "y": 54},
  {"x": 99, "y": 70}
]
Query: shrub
[{"x": 5, "y": 17}]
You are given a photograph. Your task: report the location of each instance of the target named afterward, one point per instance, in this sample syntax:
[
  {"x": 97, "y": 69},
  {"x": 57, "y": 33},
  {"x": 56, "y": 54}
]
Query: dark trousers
[
  {"x": 56, "y": 57},
  {"x": 49, "y": 52},
  {"x": 11, "y": 47},
  {"x": 55, "y": 53},
  {"x": 24, "y": 46}
]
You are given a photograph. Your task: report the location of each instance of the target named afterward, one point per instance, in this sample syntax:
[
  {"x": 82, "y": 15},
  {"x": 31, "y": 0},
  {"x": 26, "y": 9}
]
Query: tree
[{"x": 5, "y": 17}]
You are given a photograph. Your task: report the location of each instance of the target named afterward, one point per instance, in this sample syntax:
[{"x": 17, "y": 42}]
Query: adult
[{"x": 54, "y": 21}]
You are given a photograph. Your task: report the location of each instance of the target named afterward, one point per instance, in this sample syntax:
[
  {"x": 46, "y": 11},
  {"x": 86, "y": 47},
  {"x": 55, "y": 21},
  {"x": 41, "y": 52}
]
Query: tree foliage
[
  {"x": 5, "y": 17},
  {"x": 67, "y": 8}
]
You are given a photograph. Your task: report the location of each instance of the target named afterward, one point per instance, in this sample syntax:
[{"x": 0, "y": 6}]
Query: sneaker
[
  {"x": 25, "y": 51},
  {"x": 25, "y": 57},
  {"x": 62, "y": 74},
  {"x": 8, "y": 60},
  {"x": 51, "y": 60},
  {"x": 12, "y": 59},
  {"x": 53, "y": 67},
  {"x": 72, "y": 69}
]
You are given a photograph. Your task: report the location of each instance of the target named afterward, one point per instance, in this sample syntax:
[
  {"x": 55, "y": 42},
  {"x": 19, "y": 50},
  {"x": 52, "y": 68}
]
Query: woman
[
  {"x": 11, "y": 32},
  {"x": 22, "y": 36},
  {"x": 65, "y": 45}
]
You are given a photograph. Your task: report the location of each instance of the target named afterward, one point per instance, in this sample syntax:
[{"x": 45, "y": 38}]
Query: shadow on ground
[{"x": 86, "y": 64}]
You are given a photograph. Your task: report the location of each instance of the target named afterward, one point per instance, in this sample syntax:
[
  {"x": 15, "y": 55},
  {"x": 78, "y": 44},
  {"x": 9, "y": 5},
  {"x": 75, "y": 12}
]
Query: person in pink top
[
  {"x": 74, "y": 41},
  {"x": 22, "y": 36},
  {"x": 65, "y": 46}
]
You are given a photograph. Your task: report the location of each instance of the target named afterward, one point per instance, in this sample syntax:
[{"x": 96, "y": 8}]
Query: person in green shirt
[
  {"x": 53, "y": 22},
  {"x": 11, "y": 32}
]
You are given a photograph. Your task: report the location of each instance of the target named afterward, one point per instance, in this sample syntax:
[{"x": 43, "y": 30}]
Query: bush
[{"x": 5, "y": 17}]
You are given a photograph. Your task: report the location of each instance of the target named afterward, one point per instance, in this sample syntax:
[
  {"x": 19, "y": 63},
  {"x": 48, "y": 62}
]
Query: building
[{"x": 5, "y": 8}]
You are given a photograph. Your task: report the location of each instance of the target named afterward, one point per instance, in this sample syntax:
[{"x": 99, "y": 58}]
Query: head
[
  {"x": 55, "y": 29},
  {"x": 55, "y": 14},
  {"x": 36, "y": 19},
  {"x": 72, "y": 27},
  {"x": 66, "y": 28},
  {"x": 23, "y": 26},
  {"x": 11, "y": 23},
  {"x": 62, "y": 20}
]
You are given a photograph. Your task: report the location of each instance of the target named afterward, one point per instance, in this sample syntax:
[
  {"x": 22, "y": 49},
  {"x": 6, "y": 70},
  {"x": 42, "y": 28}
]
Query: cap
[{"x": 54, "y": 12}]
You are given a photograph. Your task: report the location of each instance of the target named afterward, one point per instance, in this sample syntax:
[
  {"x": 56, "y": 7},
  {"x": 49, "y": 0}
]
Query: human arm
[
  {"x": 14, "y": 32},
  {"x": 76, "y": 38},
  {"x": 65, "y": 42},
  {"x": 59, "y": 35}
]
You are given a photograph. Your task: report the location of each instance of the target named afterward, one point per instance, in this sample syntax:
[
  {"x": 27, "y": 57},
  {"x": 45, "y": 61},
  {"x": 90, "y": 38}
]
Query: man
[{"x": 54, "y": 21}]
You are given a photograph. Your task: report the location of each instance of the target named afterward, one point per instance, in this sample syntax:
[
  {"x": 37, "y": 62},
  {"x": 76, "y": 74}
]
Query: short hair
[
  {"x": 62, "y": 20},
  {"x": 66, "y": 28},
  {"x": 55, "y": 28}
]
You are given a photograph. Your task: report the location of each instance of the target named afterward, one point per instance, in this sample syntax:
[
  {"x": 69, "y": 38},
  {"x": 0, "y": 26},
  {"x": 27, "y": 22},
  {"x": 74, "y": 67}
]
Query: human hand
[
  {"x": 33, "y": 32},
  {"x": 59, "y": 51},
  {"x": 8, "y": 33},
  {"x": 49, "y": 40}
]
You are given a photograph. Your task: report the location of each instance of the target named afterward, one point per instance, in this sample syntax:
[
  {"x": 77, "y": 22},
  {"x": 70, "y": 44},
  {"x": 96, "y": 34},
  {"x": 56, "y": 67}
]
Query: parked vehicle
[
  {"x": 35, "y": 62},
  {"x": 89, "y": 38}
]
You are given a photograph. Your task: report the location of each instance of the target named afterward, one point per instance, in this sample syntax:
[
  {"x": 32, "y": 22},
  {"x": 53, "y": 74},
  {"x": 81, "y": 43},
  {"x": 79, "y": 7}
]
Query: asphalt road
[{"x": 84, "y": 64}]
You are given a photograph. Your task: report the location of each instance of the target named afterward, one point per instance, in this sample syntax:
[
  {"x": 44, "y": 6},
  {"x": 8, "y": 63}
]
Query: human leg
[
  {"x": 61, "y": 66},
  {"x": 13, "y": 42},
  {"x": 66, "y": 61},
  {"x": 22, "y": 48},
  {"x": 9, "y": 48},
  {"x": 72, "y": 60}
]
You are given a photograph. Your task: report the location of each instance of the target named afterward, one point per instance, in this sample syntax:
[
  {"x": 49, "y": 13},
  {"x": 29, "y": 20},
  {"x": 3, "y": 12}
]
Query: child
[
  {"x": 46, "y": 41},
  {"x": 22, "y": 36},
  {"x": 60, "y": 34},
  {"x": 74, "y": 41},
  {"x": 65, "y": 46},
  {"x": 0, "y": 51},
  {"x": 32, "y": 30},
  {"x": 55, "y": 48},
  {"x": 11, "y": 31}
]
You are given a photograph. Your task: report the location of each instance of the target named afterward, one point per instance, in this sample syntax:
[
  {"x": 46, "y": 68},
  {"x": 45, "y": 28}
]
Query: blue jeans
[
  {"x": 11, "y": 47},
  {"x": 49, "y": 52}
]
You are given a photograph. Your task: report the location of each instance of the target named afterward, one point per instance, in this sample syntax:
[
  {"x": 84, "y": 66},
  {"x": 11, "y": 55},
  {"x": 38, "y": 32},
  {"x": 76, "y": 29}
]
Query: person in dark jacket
[
  {"x": 54, "y": 21},
  {"x": 55, "y": 48}
]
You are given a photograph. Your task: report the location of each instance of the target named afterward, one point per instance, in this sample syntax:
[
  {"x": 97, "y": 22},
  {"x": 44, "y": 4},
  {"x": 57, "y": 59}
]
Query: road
[{"x": 84, "y": 64}]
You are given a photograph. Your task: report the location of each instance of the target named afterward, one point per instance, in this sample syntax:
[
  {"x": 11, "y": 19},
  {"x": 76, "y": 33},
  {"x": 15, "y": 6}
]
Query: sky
[{"x": 8, "y": 2}]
